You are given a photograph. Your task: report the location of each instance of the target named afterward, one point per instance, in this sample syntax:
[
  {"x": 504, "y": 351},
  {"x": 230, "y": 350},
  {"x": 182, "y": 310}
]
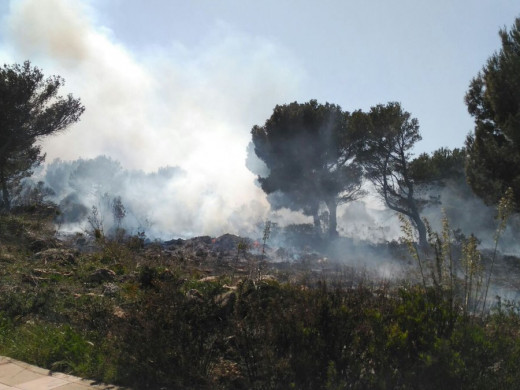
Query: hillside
[{"x": 218, "y": 313}]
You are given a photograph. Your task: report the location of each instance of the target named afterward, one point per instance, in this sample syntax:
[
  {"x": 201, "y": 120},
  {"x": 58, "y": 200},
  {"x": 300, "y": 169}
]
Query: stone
[{"x": 102, "y": 275}]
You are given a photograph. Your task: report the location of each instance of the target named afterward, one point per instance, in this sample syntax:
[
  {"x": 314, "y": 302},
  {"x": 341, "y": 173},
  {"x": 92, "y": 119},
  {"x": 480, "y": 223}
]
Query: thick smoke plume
[
  {"x": 158, "y": 202},
  {"x": 191, "y": 108}
]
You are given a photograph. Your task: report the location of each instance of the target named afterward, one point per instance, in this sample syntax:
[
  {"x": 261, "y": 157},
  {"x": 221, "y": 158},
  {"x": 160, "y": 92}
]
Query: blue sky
[{"x": 355, "y": 54}]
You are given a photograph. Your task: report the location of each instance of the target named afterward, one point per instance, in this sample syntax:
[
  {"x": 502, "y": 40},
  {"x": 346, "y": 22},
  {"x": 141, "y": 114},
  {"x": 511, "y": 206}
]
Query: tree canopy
[
  {"x": 30, "y": 108},
  {"x": 310, "y": 152},
  {"x": 439, "y": 167},
  {"x": 493, "y": 99},
  {"x": 392, "y": 132}
]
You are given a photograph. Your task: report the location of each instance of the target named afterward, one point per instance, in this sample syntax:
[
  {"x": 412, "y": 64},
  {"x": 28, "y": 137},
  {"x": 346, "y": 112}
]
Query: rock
[
  {"x": 226, "y": 300},
  {"x": 267, "y": 278},
  {"x": 39, "y": 245},
  {"x": 33, "y": 280},
  {"x": 194, "y": 295},
  {"x": 81, "y": 241},
  {"x": 166, "y": 275},
  {"x": 174, "y": 242},
  {"x": 102, "y": 275},
  {"x": 228, "y": 242},
  {"x": 206, "y": 240},
  {"x": 147, "y": 276},
  {"x": 120, "y": 313},
  {"x": 209, "y": 279},
  {"x": 110, "y": 289},
  {"x": 229, "y": 288},
  {"x": 54, "y": 255}
]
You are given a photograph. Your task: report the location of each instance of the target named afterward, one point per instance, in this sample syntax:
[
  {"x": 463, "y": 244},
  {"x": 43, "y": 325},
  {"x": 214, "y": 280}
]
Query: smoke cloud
[
  {"x": 189, "y": 107},
  {"x": 155, "y": 202}
]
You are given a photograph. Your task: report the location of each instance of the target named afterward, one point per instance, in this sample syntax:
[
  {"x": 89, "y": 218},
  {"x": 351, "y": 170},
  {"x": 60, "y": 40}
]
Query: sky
[{"x": 181, "y": 83}]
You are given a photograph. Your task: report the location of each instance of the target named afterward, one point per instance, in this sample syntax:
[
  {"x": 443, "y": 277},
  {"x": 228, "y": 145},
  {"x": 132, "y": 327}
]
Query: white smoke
[
  {"x": 367, "y": 220},
  {"x": 155, "y": 202},
  {"x": 187, "y": 107},
  {"x": 191, "y": 107}
]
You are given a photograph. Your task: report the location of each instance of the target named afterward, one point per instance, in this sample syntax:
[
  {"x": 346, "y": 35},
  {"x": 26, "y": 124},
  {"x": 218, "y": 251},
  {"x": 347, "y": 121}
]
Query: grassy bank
[{"x": 136, "y": 315}]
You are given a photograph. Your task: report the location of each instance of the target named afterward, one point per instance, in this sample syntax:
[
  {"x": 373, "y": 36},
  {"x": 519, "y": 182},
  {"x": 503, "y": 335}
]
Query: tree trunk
[
  {"x": 421, "y": 229},
  {"x": 5, "y": 193},
  {"x": 317, "y": 223},
  {"x": 333, "y": 223}
]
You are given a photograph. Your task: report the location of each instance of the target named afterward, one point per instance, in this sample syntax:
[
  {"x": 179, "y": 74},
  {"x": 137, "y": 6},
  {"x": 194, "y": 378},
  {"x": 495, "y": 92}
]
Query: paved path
[{"x": 16, "y": 375}]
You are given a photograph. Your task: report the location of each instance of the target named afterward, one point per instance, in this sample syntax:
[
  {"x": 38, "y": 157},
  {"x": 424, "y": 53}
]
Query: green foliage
[
  {"x": 439, "y": 168},
  {"x": 58, "y": 347},
  {"x": 436, "y": 262},
  {"x": 505, "y": 208},
  {"x": 493, "y": 99},
  {"x": 310, "y": 151},
  {"x": 30, "y": 109},
  {"x": 171, "y": 337},
  {"x": 391, "y": 133},
  {"x": 150, "y": 327}
]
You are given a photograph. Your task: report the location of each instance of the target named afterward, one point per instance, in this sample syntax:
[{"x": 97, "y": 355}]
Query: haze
[{"x": 180, "y": 84}]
